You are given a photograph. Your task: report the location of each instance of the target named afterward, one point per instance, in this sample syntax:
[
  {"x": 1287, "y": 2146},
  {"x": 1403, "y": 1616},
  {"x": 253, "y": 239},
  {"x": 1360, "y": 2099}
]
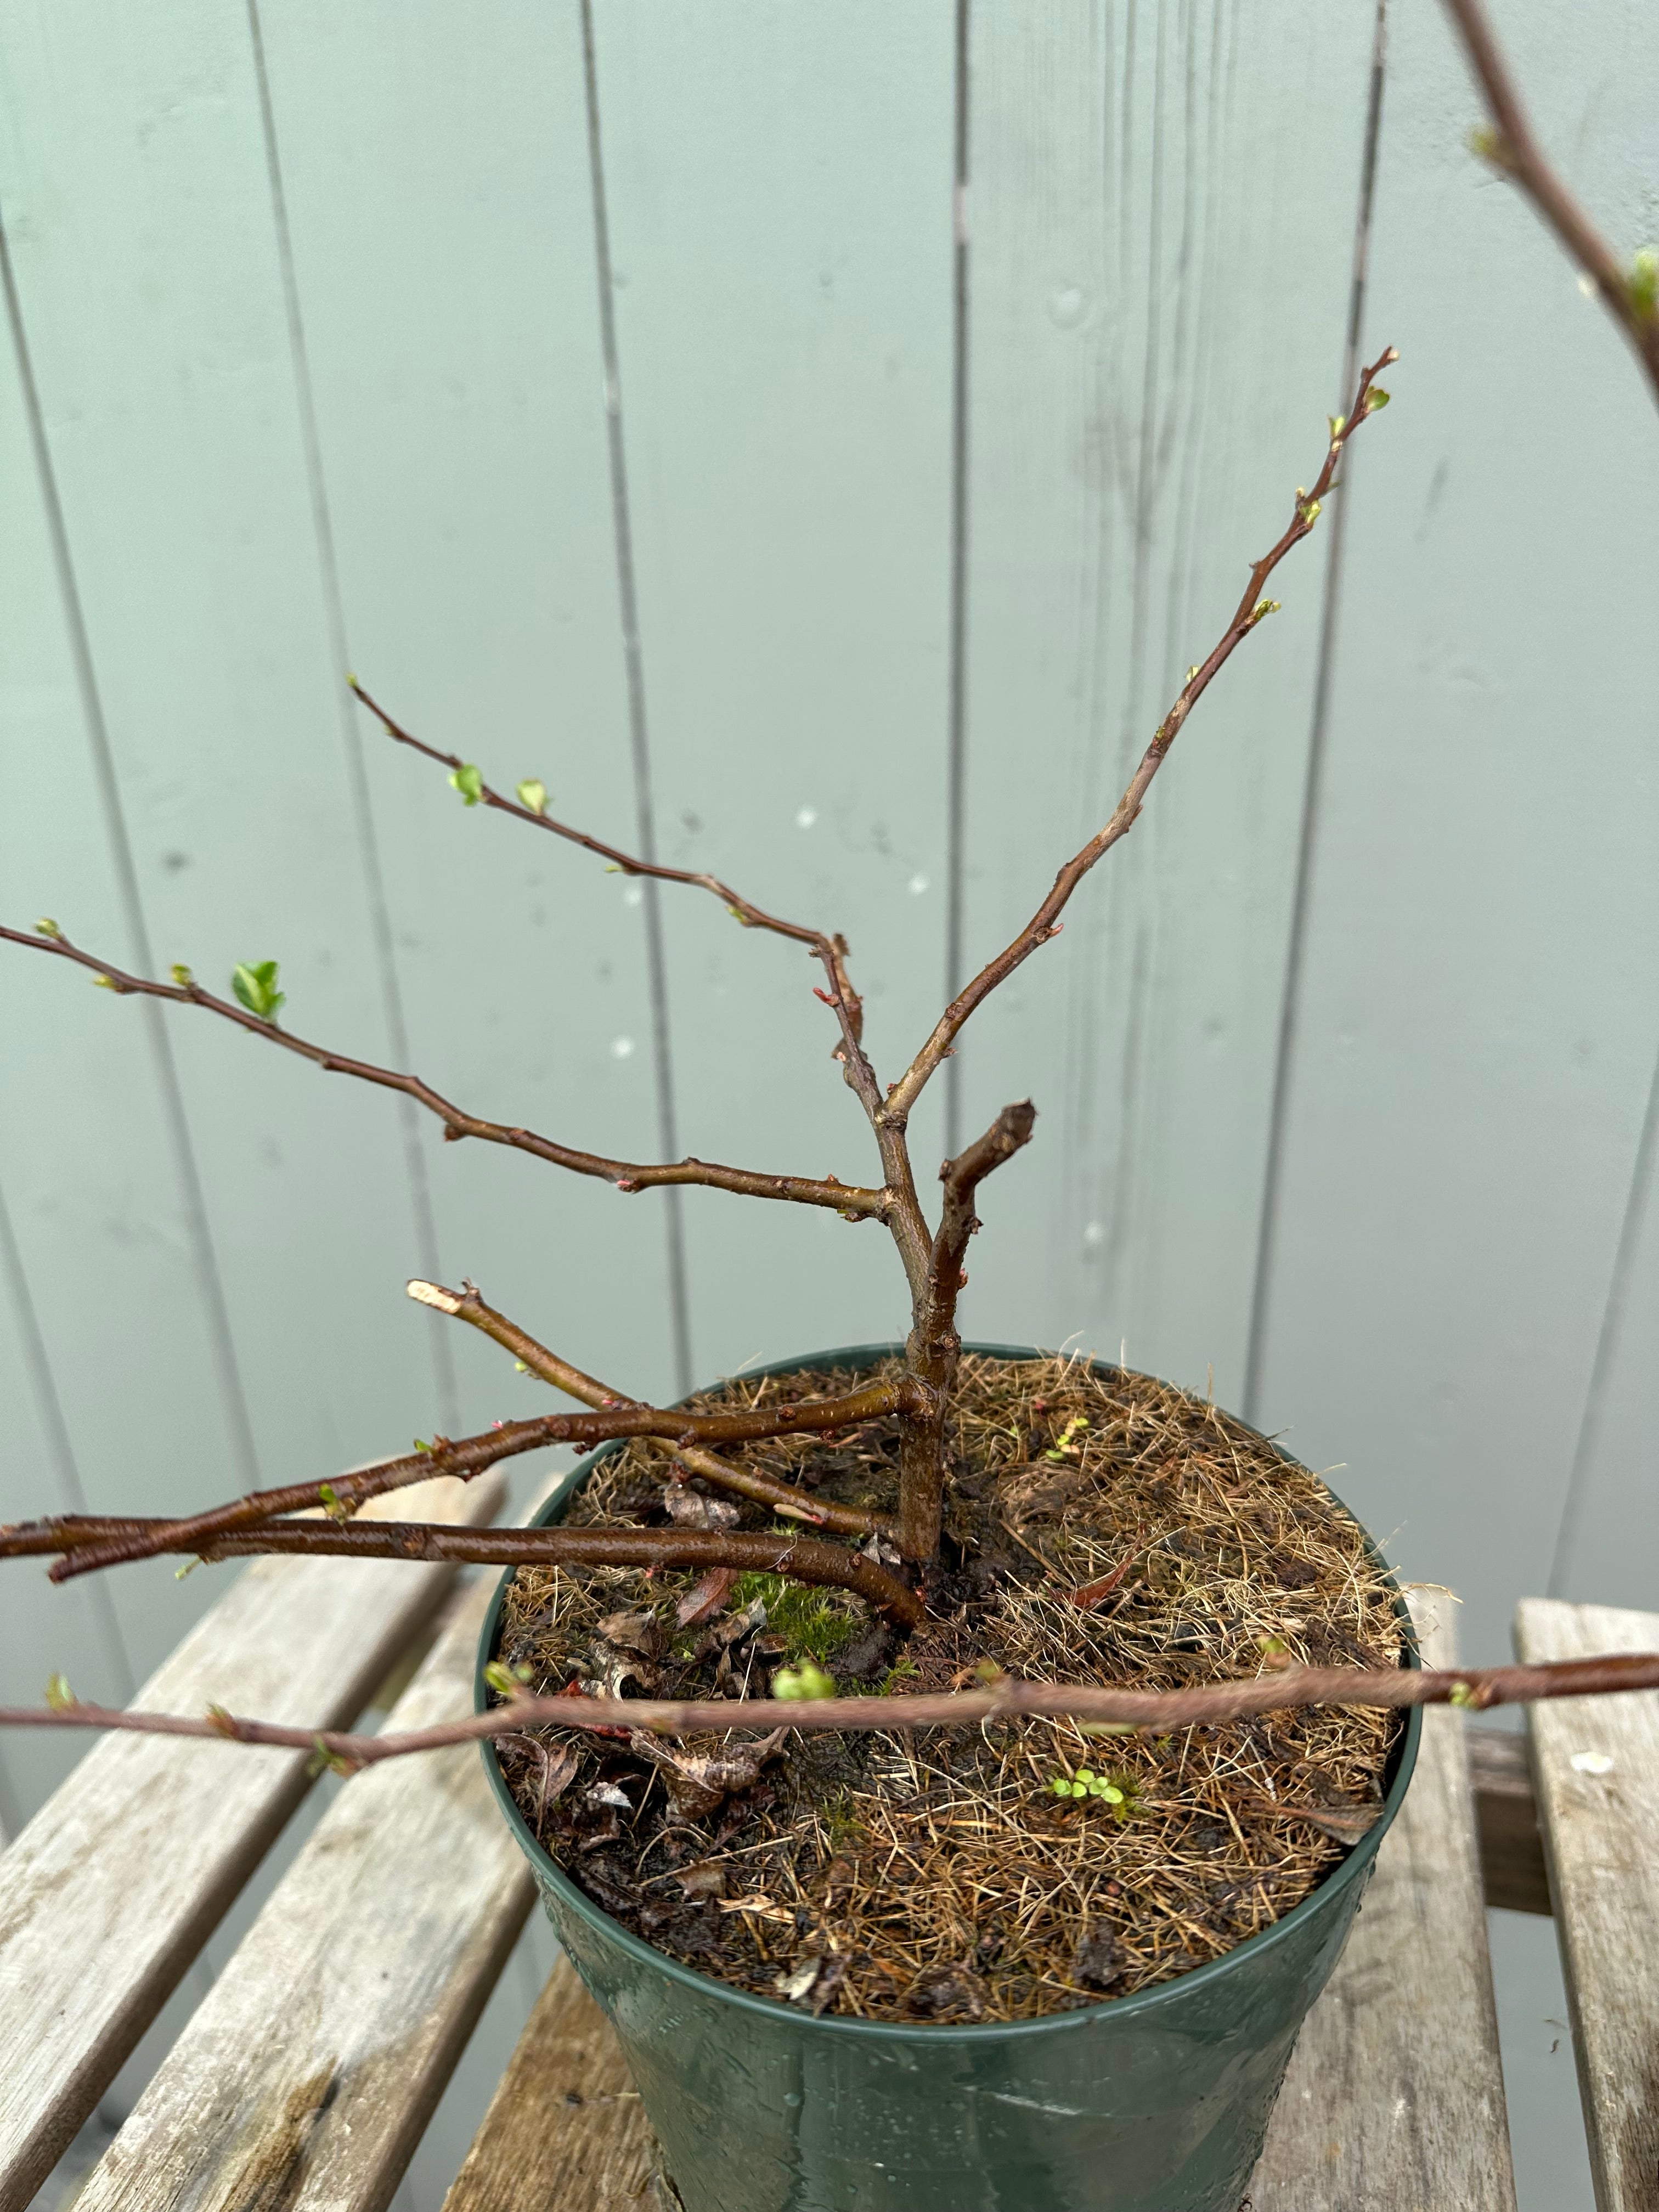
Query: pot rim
[{"x": 547, "y": 1870}]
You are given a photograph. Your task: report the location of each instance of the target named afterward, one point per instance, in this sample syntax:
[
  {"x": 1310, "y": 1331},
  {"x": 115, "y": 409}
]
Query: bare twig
[
  {"x": 1512, "y": 149},
  {"x": 848, "y": 1199},
  {"x": 935, "y": 1346},
  {"x": 901, "y": 1208},
  {"x": 89, "y": 1541},
  {"x": 1390, "y": 1687},
  {"x": 1251, "y": 610},
  {"x": 749, "y": 1482},
  {"x": 808, "y": 1559}
]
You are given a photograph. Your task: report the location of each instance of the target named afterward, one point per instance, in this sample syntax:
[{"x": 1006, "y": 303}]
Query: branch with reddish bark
[
  {"x": 1251, "y": 610},
  {"x": 934, "y": 1345},
  {"x": 1478, "y": 1689},
  {"x": 1630, "y": 296},
  {"x": 87, "y": 1543},
  {"x": 686, "y": 1448},
  {"x": 900, "y": 1209},
  {"x": 849, "y": 1199},
  {"x": 805, "y": 1558}
]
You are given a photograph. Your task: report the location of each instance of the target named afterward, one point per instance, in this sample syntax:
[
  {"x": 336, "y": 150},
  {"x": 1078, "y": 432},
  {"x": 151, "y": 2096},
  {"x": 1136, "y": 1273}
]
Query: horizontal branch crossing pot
[{"x": 1153, "y": 2102}]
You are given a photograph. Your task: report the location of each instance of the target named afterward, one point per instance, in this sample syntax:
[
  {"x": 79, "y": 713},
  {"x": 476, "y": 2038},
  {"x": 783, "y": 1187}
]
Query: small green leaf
[
  {"x": 468, "y": 779},
  {"x": 1339, "y": 424},
  {"x": 104, "y": 983},
  {"x": 1376, "y": 398},
  {"x": 324, "y": 1761},
  {"x": 532, "y": 794},
  {"x": 329, "y": 1498},
  {"x": 59, "y": 1696},
  {"x": 1262, "y": 609},
  {"x": 806, "y": 1679},
  {"x": 189, "y": 1568},
  {"x": 1310, "y": 511},
  {"x": 421, "y": 1444},
  {"x": 1463, "y": 1694},
  {"x": 507, "y": 1681},
  {"x": 47, "y": 928},
  {"x": 254, "y": 983},
  {"x": 1060, "y": 1786},
  {"x": 181, "y": 975}
]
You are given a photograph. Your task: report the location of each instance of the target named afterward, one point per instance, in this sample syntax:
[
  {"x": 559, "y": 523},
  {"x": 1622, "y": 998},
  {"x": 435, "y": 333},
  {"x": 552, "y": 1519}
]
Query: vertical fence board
[
  {"x": 780, "y": 186},
  {"x": 1163, "y": 204},
  {"x": 137, "y": 185},
  {"x": 1477, "y": 1034},
  {"x": 438, "y": 191},
  {"x": 102, "y": 1265}
]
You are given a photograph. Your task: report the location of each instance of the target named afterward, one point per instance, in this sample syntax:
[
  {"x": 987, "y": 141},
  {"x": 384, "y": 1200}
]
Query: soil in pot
[{"x": 1104, "y": 1527}]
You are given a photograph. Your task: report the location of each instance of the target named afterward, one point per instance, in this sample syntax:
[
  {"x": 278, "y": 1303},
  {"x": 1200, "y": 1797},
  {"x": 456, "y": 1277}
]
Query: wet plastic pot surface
[{"x": 1152, "y": 2103}]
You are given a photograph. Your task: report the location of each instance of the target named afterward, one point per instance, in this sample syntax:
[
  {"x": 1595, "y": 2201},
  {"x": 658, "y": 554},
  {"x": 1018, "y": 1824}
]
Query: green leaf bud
[
  {"x": 59, "y": 1696},
  {"x": 254, "y": 983},
  {"x": 468, "y": 779},
  {"x": 181, "y": 975},
  {"x": 806, "y": 1679},
  {"x": 47, "y": 928},
  {"x": 532, "y": 794}
]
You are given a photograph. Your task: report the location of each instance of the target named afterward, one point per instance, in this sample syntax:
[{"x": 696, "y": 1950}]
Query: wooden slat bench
[{"x": 306, "y": 2075}]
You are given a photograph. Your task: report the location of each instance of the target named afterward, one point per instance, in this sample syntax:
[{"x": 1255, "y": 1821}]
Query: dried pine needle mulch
[{"x": 938, "y": 1875}]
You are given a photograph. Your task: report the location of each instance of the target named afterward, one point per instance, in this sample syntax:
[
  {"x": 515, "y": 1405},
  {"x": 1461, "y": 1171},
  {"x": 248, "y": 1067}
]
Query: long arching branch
[
  {"x": 903, "y": 1209},
  {"x": 1163, "y": 1710},
  {"x": 851, "y": 1201},
  {"x": 1251, "y": 610}
]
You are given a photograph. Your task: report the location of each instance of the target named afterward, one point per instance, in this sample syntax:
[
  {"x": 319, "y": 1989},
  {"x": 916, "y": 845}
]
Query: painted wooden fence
[{"x": 815, "y": 440}]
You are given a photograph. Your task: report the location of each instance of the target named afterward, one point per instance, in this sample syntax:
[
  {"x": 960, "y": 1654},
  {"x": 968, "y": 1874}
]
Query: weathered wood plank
[
  {"x": 1595, "y": 1764},
  {"x": 1506, "y": 1821},
  {"x": 376, "y": 1952},
  {"x": 114, "y": 1885},
  {"x": 1394, "y": 2095},
  {"x": 566, "y": 2128}
]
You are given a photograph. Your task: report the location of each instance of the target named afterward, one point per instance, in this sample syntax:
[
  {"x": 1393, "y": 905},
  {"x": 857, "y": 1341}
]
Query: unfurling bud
[
  {"x": 47, "y": 928},
  {"x": 468, "y": 779},
  {"x": 254, "y": 983},
  {"x": 181, "y": 975},
  {"x": 532, "y": 796}
]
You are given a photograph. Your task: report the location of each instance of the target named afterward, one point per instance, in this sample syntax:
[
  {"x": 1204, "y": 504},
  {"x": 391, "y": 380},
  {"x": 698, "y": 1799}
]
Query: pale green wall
[{"x": 366, "y": 425}]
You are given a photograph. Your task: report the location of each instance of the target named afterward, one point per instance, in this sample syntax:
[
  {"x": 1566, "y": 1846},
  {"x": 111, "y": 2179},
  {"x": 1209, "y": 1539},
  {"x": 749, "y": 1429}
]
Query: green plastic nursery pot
[{"x": 1152, "y": 2103}]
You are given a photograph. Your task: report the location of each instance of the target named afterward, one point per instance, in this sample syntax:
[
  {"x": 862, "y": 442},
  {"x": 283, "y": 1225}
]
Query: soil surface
[{"x": 1103, "y": 1528}]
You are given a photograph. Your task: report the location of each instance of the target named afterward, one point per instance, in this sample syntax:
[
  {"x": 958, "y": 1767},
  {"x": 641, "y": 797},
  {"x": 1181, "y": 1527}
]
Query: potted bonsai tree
[
  {"x": 954, "y": 1768},
  {"x": 847, "y": 1970}
]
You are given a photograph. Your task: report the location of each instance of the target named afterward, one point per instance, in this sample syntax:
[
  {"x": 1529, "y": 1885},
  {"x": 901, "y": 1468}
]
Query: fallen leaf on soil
[
  {"x": 696, "y": 1782},
  {"x": 704, "y": 1599},
  {"x": 707, "y": 1878},
  {"x": 690, "y": 1509},
  {"x": 951, "y": 1992},
  {"x": 633, "y": 1632}
]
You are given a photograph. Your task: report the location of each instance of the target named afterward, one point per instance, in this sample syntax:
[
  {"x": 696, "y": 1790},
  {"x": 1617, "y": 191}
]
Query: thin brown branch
[
  {"x": 934, "y": 1346},
  {"x": 1512, "y": 148},
  {"x": 1009, "y": 1133},
  {"x": 849, "y": 1199},
  {"x": 1392, "y": 1688},
  {"x": 467, "y": 1305},
  {"x": 901, "y": 1207},
  {"x": 88, "y": 1542},
  {"x": 1252, "y": 610},
  {"x": 804, "y": 1558}
]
